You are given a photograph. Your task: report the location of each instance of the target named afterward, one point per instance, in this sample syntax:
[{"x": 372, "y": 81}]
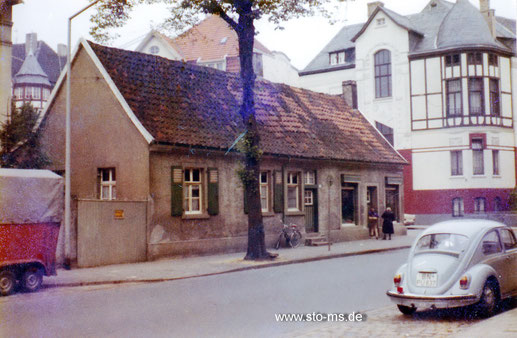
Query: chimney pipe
[
  {"x": 373, "y": 5},
  {"x": 31, "y": 43}
]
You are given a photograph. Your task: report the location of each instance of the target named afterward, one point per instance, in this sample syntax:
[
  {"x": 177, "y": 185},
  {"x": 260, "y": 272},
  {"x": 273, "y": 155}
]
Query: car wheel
[
  {"x": 407, "y": 310},
  {"x": 7, "y": 283},
  {"x": 489, "y": 299},
  {"x": 32, "y": 279}
]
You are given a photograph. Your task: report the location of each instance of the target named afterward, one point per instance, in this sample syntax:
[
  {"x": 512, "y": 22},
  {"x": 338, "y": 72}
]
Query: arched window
[{"x": 382, "y": 73}]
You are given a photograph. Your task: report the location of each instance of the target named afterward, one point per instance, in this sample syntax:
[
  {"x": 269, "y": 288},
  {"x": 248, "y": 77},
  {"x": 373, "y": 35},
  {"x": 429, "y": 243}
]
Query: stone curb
[{"x": 261, "y": 266}]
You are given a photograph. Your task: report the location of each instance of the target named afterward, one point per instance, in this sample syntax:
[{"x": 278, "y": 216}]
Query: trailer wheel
[
  {"x": 31, "y": 279},
  {"x": 7, "y": 283}
]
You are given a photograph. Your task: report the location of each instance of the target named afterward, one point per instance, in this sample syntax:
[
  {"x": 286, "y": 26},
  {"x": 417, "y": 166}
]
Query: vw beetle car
[{"x": 458, "y": 263}]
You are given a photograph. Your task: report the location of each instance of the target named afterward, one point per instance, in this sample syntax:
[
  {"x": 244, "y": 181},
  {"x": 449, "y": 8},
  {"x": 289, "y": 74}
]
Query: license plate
[{"x": 427, "y": 279}]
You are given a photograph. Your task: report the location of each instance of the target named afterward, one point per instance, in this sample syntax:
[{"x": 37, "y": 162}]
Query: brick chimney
[
  {"x": 489, "y": 15},
  {"x": 373, "y": 5},
  {"x": 6, "y": 24},
  {"x": 350, "y": 93}
]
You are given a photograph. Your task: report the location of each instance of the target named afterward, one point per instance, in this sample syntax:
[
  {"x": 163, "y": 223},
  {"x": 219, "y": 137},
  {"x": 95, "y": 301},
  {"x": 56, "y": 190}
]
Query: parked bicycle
[{"x": 292, "y": 235}]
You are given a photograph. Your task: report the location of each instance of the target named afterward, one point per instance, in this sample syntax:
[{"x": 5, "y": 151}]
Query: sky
[{"x": 301, "y": 39}]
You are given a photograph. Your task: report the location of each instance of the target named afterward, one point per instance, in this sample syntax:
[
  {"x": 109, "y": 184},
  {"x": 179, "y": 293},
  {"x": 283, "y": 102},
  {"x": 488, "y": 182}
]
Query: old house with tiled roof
[
  {"x": 213, "y": 43},
  {"x": 438, "y": 84},
  {"x": 154, "y": 170}
]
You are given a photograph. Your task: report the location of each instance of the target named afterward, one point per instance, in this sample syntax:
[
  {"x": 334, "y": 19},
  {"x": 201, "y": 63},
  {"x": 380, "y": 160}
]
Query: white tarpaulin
[{"x": 30, "y": 196}]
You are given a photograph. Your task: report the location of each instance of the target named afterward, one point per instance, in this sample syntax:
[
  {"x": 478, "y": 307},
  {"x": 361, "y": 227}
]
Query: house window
[
  {"x": 154, "y": 49},
  {"x": 495, "y": 162},
  {"x": 46, "y": 93},
  {"x": 479, "y": 204},
  {"x": 308, "y": 197},
  {"x": 264, "y": 191},
  {"x": 477, "y": 157},
  {"x": 493, "y": 60},
  {"x": 293, "y": 191},
  {"x": 386, "y": 131},
  {"x": 382, "y": 73},
  {"x": 36, "y": 93},
  {"x": 310, "y": 177},
  {"x": 108, "y": 182},
  {"x": 456, "y": 163},
  {"x": 475, "y": 58},
  {"x": 18, "y": 92},
  {"x": 498, "y": 206},
  {"x": 453, "y": 88},
  {"x": 192, "y": 191},
  {"x": 494, "y": 97},
  {"x": 457, "y": 207},
  {"x": 28, "y": 92},
  {"x": 381, "y": 21},
  {"x": 337, "y": 58},
  {"x": 476, "y": 96},
  {"x": 452, "y": 60}
]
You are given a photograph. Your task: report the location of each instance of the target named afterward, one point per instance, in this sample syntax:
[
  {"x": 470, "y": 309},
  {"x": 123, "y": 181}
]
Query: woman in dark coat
[{"x": 387, "y": 224}]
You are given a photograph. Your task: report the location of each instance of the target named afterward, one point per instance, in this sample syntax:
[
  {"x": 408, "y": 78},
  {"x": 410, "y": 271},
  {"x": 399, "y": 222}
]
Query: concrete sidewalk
[{"x": 181, "y": 268}]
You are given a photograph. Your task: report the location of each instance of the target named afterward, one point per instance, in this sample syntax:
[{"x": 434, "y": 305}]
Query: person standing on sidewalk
[
  {"x": 373, "y": 219},
  {"x": 387, "y": 224}
]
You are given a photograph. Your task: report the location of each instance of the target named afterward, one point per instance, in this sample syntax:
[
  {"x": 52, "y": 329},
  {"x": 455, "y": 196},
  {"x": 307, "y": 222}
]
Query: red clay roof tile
[{"x": 184, "y": 104}]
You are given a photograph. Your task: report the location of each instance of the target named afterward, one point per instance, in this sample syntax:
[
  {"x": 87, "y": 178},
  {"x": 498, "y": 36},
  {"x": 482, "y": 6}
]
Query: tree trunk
[{"x": 256, "y": 235}]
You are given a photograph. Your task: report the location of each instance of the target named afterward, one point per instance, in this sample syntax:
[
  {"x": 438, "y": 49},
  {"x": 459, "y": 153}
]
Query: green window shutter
[
  {"x": 213, "y": 191},
  {"x": 246, "y": 209},
  {"x": 176, "y": 191},
  {"x": 278, "y": 196}
]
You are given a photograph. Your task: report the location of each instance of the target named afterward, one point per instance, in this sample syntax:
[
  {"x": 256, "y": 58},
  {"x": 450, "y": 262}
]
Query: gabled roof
[
  {"x": 50, "y": 62},
  {"x": 31, "y": 72},
  {"x": 187, "y": 105},
  {"x": 400, "y": 20},
  {"x": 429, "y": 28},
  {"x": 211, "y": 39}
]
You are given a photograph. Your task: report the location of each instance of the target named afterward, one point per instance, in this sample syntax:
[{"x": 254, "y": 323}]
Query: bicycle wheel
[
  {"x": 277, "y": 244},
  {"x": 296, "y": 239}
]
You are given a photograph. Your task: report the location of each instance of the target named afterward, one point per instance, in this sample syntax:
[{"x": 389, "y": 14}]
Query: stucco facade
[{"x": 447, "y": 44}]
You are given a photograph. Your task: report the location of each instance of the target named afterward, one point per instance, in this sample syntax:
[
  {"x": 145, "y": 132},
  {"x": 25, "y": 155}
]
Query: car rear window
[{"x": 442, "y": 242}]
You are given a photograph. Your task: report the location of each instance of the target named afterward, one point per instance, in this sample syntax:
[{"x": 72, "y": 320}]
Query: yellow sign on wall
[{"x": 119, "y": 214}]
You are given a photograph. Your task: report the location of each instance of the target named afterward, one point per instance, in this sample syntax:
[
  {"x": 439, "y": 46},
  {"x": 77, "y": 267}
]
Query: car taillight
[
  {"x": 464, "y": 282},
  {"x": 400, "y": 289},
  {"x": 397, "y": 279}
]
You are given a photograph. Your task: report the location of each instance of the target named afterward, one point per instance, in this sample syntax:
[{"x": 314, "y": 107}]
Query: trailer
[{"x": 31, "y": 210}]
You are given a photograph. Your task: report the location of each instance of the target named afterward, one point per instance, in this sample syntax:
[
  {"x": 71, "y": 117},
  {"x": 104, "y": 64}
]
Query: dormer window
[
  {"x": 337, "y": 58},
  {"x": 452, "y": 60},
  {"x": 381, "y": 21}
]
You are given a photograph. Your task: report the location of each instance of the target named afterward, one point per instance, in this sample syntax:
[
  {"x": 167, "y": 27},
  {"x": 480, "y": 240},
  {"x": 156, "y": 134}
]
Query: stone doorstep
[{"x": 316, "y": 240}]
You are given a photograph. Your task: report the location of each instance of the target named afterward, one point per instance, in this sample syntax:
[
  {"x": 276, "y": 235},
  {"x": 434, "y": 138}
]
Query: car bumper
[{"x": 431, "y": 302}]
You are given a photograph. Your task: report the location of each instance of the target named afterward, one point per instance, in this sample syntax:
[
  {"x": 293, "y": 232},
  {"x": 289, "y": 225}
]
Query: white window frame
[
  {"x": 310, "y": 177},
  {"x": 36, "y": 93},
  {"x": 265, "y": 186},
  {"x": 293, "y": 184},
  {"x": 189, "y": 185},
  {"x": 308, "y": 197},
  {"x": 496, "y": 167},
  {"x": 456, "y": 163},
  {"x": 28, "y": 92},
  {"x": 110, "y": 184}
]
